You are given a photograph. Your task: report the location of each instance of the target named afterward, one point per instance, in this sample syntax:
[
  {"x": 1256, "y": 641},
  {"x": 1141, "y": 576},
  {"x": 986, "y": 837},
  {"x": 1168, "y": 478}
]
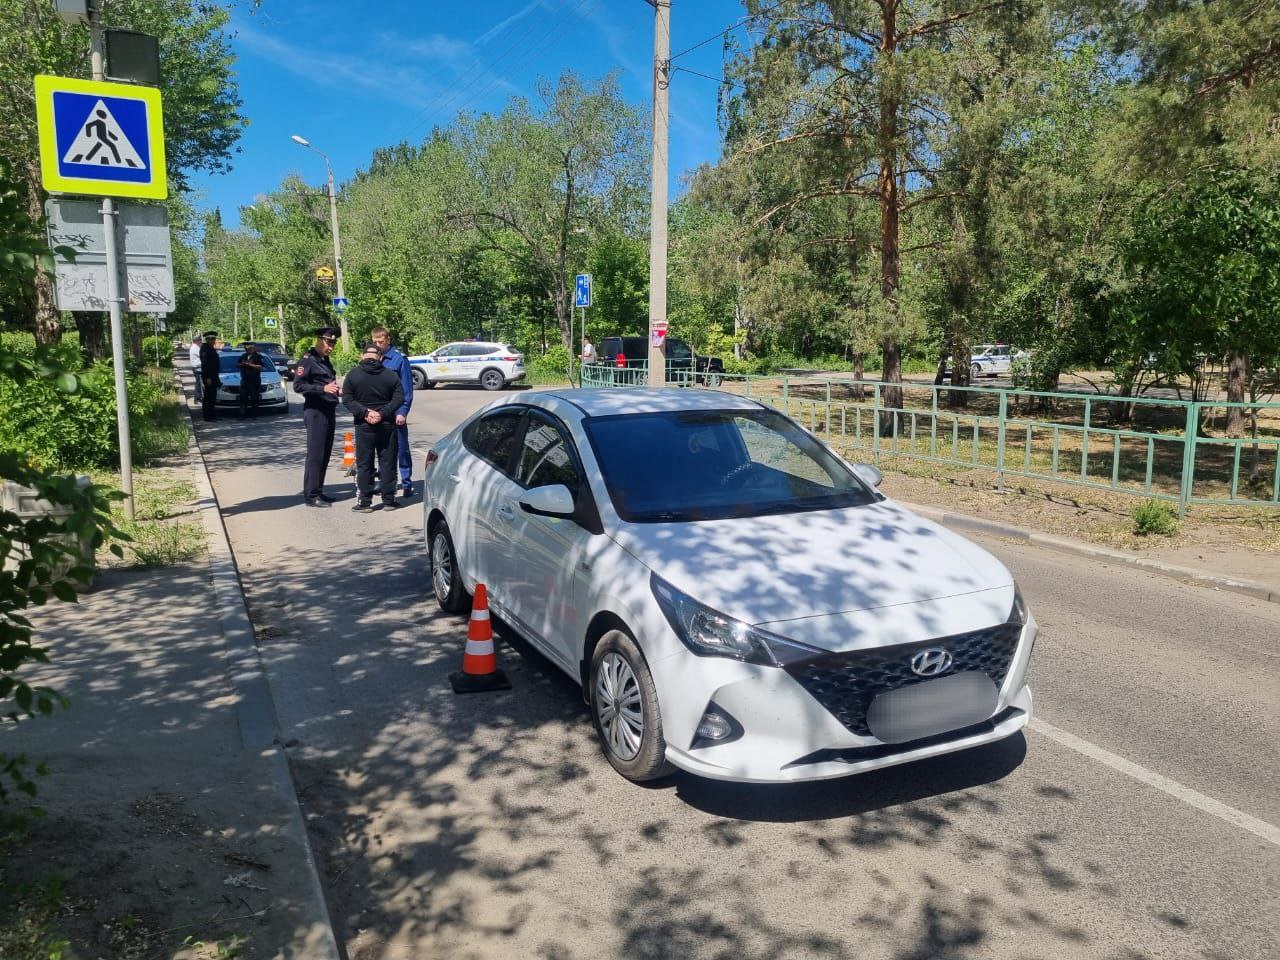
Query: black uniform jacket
[
  {"x": 309, "y": 379},
  {"x": 371, "y": 386},
  {"x": 210, "y": 362}
]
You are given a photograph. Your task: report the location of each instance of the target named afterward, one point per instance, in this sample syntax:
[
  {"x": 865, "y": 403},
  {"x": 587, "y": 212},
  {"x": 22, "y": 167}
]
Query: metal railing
[{"x": 1141, "y": 446}]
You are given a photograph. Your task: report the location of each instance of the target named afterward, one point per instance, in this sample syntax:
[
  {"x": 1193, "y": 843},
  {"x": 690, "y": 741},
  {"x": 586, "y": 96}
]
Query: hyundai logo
[{"x": 931, "y": 662}]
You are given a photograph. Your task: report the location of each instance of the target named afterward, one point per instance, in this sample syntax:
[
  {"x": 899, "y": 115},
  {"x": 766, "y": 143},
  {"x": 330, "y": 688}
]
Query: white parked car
[
  {"x": 992, "y": 359},
  {"x": 492, "y": 365},
  {"x": 735, "y": 599},
  {"x": 271, "y": 393}
]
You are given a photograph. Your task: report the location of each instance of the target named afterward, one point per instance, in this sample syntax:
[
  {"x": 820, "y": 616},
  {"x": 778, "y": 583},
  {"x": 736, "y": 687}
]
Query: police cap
[
  {"x": 329, "y": 332},
  {"x": 210, "y": 334}
]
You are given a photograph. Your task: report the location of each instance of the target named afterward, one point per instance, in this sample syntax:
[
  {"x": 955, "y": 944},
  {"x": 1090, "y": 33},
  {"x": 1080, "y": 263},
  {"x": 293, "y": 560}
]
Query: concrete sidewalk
[{"x": 168, "y": 828}]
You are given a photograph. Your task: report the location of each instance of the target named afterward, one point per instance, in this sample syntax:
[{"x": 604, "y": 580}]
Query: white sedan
[
  {"x": 735, "y": 599},
  {"x": 492, "y": 365}
]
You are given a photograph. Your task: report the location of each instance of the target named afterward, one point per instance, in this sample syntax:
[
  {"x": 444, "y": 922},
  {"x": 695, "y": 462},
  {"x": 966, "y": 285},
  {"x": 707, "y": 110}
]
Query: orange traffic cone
[
  {"x": 349, "y": 454},
  {"x": 479, "y": 663}
]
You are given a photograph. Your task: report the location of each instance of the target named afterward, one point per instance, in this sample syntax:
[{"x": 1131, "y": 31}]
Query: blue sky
[{"x": 354, "y": 76}]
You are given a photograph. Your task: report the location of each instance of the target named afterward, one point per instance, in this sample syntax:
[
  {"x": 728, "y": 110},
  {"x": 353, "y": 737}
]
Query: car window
[
  {"x": 229, "y": 362},
  {"x": 678, "y": 350},
  {"x": 452, "y": 350},
  {"x": 476, "y": 350},
  {"x": 713, "y": 465},
  {"x": 547, "y": 458},
  {"x": 493, "y": 438}
]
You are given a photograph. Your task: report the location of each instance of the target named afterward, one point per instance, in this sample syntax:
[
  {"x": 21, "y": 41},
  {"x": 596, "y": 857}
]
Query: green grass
[
  {"x": 159, "y": 535},
  {"x": 29, "y": 910},
  {"x": 167, "y": 430},
  {"x": 1154, "y": 516}
]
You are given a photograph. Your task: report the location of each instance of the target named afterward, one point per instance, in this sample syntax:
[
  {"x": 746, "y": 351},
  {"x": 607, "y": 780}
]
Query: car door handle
[{"x": 506, "y": 512}]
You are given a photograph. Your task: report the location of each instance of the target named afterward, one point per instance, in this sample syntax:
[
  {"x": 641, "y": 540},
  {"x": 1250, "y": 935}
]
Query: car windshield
[
  {"x": 230, "y": 362},
  {"x": 677, "y": 467}
]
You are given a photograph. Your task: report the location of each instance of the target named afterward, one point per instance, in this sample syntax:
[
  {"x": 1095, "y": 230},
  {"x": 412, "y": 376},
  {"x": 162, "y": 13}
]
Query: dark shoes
[
  {"x": 363, "y": 506},
  {"x": 326, "y": 498},
  {"x": 406, "y": 491},
  {"x": 317, "y": 502},
  {"x": 391, "y": 504}
]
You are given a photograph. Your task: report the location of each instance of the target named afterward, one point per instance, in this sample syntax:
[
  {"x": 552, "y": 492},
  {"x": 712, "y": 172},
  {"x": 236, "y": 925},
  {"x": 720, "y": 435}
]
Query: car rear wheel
[
  {"x": 975, "y": 371},
  {"x": 446, "y": 578},
  {"x": 492, "y": 379},
  {"x": 624, "y": 706}
]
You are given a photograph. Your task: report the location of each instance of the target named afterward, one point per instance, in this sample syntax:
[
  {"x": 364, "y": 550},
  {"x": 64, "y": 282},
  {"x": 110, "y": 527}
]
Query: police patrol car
[{"x": 492, "y": 365}]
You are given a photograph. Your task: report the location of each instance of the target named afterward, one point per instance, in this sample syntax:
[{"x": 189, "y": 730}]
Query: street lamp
[{"x": 337, "y": 241}]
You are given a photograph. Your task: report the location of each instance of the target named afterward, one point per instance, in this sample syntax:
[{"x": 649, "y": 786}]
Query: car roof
[{"x": 611, "y": 401}]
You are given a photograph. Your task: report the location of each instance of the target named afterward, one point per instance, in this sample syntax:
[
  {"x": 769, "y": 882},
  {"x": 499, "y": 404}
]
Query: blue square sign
[
  {"x": 582, "y": 292},
  {"x": 100, "y": 138}
]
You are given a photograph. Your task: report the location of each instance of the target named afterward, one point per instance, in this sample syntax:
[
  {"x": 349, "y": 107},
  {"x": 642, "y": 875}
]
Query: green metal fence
[{"x": 1142, "y": 446}]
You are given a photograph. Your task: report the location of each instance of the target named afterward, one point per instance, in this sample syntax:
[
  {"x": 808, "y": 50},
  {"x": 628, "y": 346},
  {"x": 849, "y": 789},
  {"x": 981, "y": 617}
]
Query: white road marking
[{"x": 1174, "y": 789}]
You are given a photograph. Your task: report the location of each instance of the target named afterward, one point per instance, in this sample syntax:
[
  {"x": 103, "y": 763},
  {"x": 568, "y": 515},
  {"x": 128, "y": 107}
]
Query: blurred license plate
[{"x": 931, "y": 707}]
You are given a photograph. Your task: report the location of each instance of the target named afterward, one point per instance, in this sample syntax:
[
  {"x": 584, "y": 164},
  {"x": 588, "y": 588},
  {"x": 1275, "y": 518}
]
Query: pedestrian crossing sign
[{"x": 104, "y": 139}]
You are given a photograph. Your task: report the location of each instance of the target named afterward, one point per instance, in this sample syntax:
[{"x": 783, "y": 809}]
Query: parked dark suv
[{"x": 634, "y": 351}]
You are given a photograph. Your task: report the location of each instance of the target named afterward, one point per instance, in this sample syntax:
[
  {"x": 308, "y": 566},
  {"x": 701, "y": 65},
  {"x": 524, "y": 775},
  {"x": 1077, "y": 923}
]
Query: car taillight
[
  {"x": 512, "y": 359},
  {"x": 431, "y": 458},
  {"x": 620, "y": 360}
]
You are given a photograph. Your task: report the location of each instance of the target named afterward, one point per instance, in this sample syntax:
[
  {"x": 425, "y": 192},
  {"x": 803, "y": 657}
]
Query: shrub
[
  {"x": 157, "y": 351},
  {"x": 1154, "y": 516},
  {"x": 77, "y": 430},
  {"x": 551, "y": 367}
]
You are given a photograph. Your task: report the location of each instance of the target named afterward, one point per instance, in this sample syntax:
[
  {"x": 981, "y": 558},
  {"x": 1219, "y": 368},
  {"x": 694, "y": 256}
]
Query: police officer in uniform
[
  {"x": 317, "y": 381},
  {"x": 210, "y": 366}
]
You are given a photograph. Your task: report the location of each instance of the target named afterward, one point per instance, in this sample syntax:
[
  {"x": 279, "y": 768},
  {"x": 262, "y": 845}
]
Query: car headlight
[
  {"x": 709, "y": 633},
  {"x": 1019, "y": 613}
]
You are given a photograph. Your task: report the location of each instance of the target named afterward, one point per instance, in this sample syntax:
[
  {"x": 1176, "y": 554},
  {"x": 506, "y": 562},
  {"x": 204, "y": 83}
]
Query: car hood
[
  {"x": 792, "y": 568},
  {"x": 268, "y": 377}
]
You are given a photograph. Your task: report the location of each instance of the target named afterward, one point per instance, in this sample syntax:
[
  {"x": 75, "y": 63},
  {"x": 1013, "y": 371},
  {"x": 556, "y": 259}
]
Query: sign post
[
  {"x": 581, "y": 300},
  {"x": 105, "y": 140}
]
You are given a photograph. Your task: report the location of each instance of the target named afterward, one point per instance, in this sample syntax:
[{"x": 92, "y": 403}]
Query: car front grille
[{"x": 846, "y": 683}]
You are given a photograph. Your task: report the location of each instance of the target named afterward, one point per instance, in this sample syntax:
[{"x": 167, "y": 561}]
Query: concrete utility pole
[
  {"x": 114, "y": 301},
  {"x": 280, "y": 321},
  {"x": 337, "y": 240},
  {"x": 658, "y": 208}
]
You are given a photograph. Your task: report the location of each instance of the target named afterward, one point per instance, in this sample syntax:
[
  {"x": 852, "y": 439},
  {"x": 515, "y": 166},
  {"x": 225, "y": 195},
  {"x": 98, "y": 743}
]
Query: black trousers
[
  {"x": 320, "y": 426},
  {"x": 376, "y": 440},
  {"x": 250, "y": 396},
  {"x": 209, "y": 402}
]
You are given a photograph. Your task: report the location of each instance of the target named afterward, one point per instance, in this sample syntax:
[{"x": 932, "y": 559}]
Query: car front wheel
[
  {"x": 975, "y": 371},
  {"x": 419, "y": 379},
  {"x": 446, "y": 578},
  {"x": 492, "y": 380},
  {"x": 624, "y": 706}
]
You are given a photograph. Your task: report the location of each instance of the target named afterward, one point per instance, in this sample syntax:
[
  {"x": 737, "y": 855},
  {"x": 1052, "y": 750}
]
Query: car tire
[
  {"x": 446, "y": 578},
  {"x": 714, "y": 380},
  {"x": 975, "y": 371},
  {"x": 619, "y": 676},
  {"x": 492, "y": 379},
  {"x": 419, "y": 379}
]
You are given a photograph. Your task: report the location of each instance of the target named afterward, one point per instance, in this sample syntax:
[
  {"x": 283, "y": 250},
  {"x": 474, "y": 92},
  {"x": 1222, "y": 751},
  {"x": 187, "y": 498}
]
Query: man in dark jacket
[
  {"x": 210, "y": 365},
  {"x": 373, "y": 393},
  {"x": 250, "y": 364},
  {"x": 317, "y": 381}
]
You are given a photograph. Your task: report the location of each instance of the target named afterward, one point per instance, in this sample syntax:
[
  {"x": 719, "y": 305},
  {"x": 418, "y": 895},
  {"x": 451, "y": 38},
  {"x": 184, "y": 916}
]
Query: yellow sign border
[{"x": 46, "y": 86}]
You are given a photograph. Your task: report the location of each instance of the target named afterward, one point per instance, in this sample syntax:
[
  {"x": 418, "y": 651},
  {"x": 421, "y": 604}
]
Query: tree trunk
[
  {"x": 859, "y": 374},
  {"x": 93, "y": 335},
  {"x": 1237, "y": 381},
  {"x": 890, "y": 225},
  {"x": 961, "y": 353},
  {"x": 47, "y": 321}
]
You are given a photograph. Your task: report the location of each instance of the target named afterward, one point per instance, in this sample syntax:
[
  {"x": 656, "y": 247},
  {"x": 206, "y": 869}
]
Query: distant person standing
[
  {"x": 250, "y": 364},
  {"x": 373, "y": 393},
  {"x": 317, "y": 381},
  {"x": 588, "y": 352},
  {"x": 210, "y": 367},
  {"x": 398, "y": 363},
  {"x": 193, "y": 357}
]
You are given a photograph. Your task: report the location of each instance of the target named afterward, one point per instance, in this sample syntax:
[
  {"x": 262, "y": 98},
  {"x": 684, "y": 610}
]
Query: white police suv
[{"x": 492, "y": 365}]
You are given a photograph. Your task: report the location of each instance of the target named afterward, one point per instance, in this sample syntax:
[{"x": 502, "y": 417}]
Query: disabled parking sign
[{"x": 104, "y": 139}]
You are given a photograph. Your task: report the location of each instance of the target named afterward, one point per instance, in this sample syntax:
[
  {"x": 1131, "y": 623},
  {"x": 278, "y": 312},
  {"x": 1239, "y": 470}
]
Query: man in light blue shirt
[{"x": 393, "y": 359}]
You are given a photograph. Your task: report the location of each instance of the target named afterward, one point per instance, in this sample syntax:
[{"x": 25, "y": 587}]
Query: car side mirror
[
  {"x": 868, "y": 474},
  {"x": 550, "y": 501}
]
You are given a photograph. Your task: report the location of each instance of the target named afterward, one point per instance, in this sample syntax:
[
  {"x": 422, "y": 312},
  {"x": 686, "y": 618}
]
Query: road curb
[
  {"x": 255, "y": 709},
  {"x": 960, "y": 521}
]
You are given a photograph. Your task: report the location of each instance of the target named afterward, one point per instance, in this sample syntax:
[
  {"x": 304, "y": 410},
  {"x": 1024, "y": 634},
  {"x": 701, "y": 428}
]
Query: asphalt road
[{"x": 1135, "y": 820}]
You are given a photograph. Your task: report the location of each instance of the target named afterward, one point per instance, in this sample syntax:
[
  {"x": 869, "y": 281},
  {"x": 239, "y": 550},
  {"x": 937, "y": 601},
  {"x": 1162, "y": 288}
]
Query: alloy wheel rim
[
  {"x": 618, "y": 706},
  {"x": 441, "y": 567},
  {"x": 490, "y": 379}
]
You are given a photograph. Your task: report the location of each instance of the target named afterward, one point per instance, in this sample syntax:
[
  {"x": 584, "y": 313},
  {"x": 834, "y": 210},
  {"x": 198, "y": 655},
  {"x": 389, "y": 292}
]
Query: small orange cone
[
  {"x": 349, "y": 454},
  {"x": 479, "y": 662}
]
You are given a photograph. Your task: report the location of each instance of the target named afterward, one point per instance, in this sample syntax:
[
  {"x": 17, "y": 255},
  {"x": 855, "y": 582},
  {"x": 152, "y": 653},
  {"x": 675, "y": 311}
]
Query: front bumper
[
  {"x": 787, "y": 735},
  {"x": 273, "y": 396}
]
